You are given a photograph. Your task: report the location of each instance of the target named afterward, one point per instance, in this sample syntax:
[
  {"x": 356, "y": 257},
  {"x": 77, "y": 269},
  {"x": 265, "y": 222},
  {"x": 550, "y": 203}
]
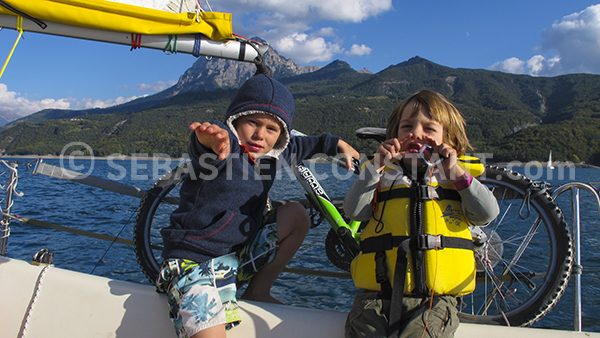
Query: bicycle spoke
[{"x": 521, "y": 263}]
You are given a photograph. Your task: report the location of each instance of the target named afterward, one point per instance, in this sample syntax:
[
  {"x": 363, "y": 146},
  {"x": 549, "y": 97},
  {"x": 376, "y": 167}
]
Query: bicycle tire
[
  {"x": 147, "y": 250},
  {"x": 336, "y": 252},
  {"x": 522, "y": 300}
]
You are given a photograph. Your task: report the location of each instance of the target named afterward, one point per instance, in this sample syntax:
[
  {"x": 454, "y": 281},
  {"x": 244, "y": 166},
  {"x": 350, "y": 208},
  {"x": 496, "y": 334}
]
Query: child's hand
[
  {"x": 212, "y": 136},
  {"x": 389, "y": 150},
  {"x": 348, "y": 152},
  {"x": 449, "y": 155}
]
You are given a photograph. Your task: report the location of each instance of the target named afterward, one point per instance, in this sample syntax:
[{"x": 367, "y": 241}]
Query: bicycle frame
[{"x": 316, "y": 195}]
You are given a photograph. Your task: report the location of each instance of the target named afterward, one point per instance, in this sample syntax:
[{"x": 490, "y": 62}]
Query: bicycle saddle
[{"x": 374, "y": 133}]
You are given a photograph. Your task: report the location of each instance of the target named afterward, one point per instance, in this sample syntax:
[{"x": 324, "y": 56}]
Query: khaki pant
[{"x": 368, "y": 317}]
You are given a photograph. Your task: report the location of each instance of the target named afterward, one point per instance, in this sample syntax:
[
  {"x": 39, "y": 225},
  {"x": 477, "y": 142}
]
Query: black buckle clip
[{"x": 428, "y": 242}]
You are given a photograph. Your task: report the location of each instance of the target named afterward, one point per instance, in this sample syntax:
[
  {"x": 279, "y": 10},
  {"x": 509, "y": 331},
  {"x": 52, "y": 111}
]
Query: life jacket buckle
[
  {"x": 429, "y": 242},
  {"x": 427, "y": 192}
]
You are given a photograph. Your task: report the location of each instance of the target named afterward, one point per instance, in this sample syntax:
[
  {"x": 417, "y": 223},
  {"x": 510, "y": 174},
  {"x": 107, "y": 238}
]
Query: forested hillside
[{"x": 515, "y": 117}]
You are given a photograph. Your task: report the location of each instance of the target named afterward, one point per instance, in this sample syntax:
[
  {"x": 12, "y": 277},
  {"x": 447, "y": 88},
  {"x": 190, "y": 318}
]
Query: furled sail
[{"x": 170, "y": 25}]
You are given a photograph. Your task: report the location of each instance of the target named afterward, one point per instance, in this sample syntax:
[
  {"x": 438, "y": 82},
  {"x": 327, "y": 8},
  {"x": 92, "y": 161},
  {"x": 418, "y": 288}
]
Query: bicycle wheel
[
  {"x": 154, "y": 213},
  {"x": 524, "y": 261}
]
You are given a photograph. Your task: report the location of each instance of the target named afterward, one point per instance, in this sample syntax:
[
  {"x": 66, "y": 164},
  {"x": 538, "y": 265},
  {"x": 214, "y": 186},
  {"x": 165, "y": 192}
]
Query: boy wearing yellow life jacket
[{"x": 416, "y": 250}]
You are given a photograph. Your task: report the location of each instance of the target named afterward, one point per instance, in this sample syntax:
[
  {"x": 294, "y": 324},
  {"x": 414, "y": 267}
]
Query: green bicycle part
[{"x": 336, "y": 219}]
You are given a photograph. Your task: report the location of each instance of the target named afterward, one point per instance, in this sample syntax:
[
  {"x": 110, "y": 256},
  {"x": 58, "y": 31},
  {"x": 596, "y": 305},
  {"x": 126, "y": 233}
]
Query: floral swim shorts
[{"x": 203, "y": 295}]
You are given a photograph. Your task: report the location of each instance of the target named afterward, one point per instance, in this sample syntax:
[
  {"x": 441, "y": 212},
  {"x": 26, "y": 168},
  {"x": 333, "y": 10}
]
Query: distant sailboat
[{"x": 549, "y": 164}]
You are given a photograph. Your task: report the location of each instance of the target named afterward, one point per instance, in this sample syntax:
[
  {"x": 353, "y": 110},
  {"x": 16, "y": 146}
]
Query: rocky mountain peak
[{"x": 210, "y": 74}]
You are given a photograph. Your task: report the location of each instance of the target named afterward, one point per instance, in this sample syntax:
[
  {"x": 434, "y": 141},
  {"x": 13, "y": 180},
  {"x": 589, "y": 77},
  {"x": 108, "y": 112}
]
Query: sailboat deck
[{"x": 53, "y": 302}]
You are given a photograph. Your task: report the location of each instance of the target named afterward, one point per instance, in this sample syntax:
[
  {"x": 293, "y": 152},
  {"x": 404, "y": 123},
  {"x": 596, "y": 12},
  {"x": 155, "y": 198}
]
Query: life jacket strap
[
  {"x": 437, "y": 193},
  {"x": 395, "y": 315},
  {"x": 420, "y": 242},
  {"x": 381, "y": 274}
]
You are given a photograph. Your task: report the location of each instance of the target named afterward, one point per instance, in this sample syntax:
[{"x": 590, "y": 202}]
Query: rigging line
[
  {"x": 208, "y": 5},
  {"x": 12, "y": 50},
  {"x": 113, "y": 241},
  {"x": 32, "y": 301},
  {"x": 39, "y": 22},
  {"x": 79, "y": 232}
]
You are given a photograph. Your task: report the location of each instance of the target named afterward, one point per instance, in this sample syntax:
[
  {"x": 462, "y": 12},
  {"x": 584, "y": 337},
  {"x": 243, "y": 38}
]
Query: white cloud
[
  {"x": 510, "y": 65},
  {"x": 156, "y": 86},
  {"x": 306, "y": 49},
  {"x": 326, "y": 31},
  {"x": 576, "y": 40},
  {"x": 573, "y": 43},
  {"x": 88, "y": 103},
  {"x": 537, "y": 65},
  {"x": 14, "y": 105},
  {"x": 337, "y": 10},
  {"x": 282, "y": 22},
  {"x": 359, "y": 50}
]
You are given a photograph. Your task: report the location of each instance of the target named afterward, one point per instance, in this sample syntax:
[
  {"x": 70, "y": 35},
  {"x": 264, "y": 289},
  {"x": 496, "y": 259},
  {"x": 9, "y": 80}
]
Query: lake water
[{"x": 92, "y": 209}]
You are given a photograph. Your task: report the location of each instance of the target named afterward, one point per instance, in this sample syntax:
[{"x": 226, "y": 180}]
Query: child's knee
[{"x": 295, "y": 213}]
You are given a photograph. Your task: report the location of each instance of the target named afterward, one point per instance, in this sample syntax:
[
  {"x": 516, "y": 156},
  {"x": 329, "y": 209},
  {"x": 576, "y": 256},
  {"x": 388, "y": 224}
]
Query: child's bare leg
[
  {"x": 211, "y": 332},
  {"x": 292, "y": 226}
]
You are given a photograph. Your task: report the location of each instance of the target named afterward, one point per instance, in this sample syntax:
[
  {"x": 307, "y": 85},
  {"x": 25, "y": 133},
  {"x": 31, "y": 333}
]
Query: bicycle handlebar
[{"x": 340, "y": 162}]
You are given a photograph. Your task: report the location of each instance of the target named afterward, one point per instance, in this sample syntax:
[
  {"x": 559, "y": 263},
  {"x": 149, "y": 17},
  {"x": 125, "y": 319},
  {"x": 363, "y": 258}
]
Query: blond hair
[{"x": 440, "y": 110}]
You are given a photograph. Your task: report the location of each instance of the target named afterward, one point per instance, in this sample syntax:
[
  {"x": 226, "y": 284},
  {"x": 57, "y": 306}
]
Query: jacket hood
[{"x": 263, "y": 94}]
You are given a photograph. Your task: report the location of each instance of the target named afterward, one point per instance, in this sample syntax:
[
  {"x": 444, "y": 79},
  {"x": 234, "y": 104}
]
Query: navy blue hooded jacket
[{"x": 222, "y": 202}]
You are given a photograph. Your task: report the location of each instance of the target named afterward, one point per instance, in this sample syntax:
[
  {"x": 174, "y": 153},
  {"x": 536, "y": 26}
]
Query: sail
[
  {"x": 159, "y": 24},
  {"x": 549, "y": 163},
  {"x": 121, "y": 17}
]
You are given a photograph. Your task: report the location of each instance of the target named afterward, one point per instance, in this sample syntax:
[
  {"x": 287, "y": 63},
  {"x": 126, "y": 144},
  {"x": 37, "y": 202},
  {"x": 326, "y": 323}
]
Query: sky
[{"x": 535, "y": 37}]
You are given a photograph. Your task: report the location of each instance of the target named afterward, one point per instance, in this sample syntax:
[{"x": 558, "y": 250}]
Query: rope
[
  {"x": 207, "y": 5},
  {"x": 25, "y": 15},
  {"x": 11, "y": 189},
  {"x": 34, "y": 298},
  {"x": 310, "y": 272},
  {"x": 48, "y": 225},
  {"x": 197, "y": 42},
  {"x": 533, "y": 190},
  {"x": 136, "y": 41},
  {"x": 112, "y": 242},
  {"x": 171, "y": 46},
  {"x": 20, "y": 29}
]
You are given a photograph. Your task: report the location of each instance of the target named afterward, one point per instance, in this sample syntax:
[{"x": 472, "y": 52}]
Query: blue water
[{"x": 92, "y": 209}]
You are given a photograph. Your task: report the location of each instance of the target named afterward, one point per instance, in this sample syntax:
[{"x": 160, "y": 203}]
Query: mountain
[
  {"x": 205, "y": 75},
  {"x": 514, "y": 117},
  {"x": 209, "y": 75}
]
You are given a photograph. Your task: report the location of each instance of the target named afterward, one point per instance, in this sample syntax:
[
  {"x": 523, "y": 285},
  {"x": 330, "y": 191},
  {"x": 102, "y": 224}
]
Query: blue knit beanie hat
[{"x": 263, "y": 94}]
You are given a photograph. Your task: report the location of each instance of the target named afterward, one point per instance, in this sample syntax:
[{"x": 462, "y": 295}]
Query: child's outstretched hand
[{"x": 212, "y": 136}]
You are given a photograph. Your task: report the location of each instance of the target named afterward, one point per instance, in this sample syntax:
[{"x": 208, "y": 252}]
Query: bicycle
[{"x": 524, "y": 258}]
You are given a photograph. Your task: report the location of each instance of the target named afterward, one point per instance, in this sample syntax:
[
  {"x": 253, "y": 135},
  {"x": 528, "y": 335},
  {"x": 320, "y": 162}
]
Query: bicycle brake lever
[{"x": 355, "y": 164}]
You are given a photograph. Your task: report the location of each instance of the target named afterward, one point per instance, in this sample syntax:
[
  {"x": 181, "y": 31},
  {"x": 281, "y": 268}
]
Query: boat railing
[{"x": 575, "y": 188}]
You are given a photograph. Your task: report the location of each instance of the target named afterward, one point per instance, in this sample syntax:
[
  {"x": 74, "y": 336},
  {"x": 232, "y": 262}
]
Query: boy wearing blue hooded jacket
[{"x": 218, "y": 226}]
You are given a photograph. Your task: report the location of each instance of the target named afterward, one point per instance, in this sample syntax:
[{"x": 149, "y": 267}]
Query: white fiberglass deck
[{"x": 72, "y": 304}]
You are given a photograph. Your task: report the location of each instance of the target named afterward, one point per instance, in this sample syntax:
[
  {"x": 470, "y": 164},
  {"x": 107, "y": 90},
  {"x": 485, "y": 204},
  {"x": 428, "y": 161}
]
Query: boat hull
[{"x": 51, "y": 302}]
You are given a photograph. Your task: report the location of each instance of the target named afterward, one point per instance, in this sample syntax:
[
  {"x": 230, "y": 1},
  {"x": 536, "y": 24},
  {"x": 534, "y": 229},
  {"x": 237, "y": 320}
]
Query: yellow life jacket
[{"x": 427, "y": 222}]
